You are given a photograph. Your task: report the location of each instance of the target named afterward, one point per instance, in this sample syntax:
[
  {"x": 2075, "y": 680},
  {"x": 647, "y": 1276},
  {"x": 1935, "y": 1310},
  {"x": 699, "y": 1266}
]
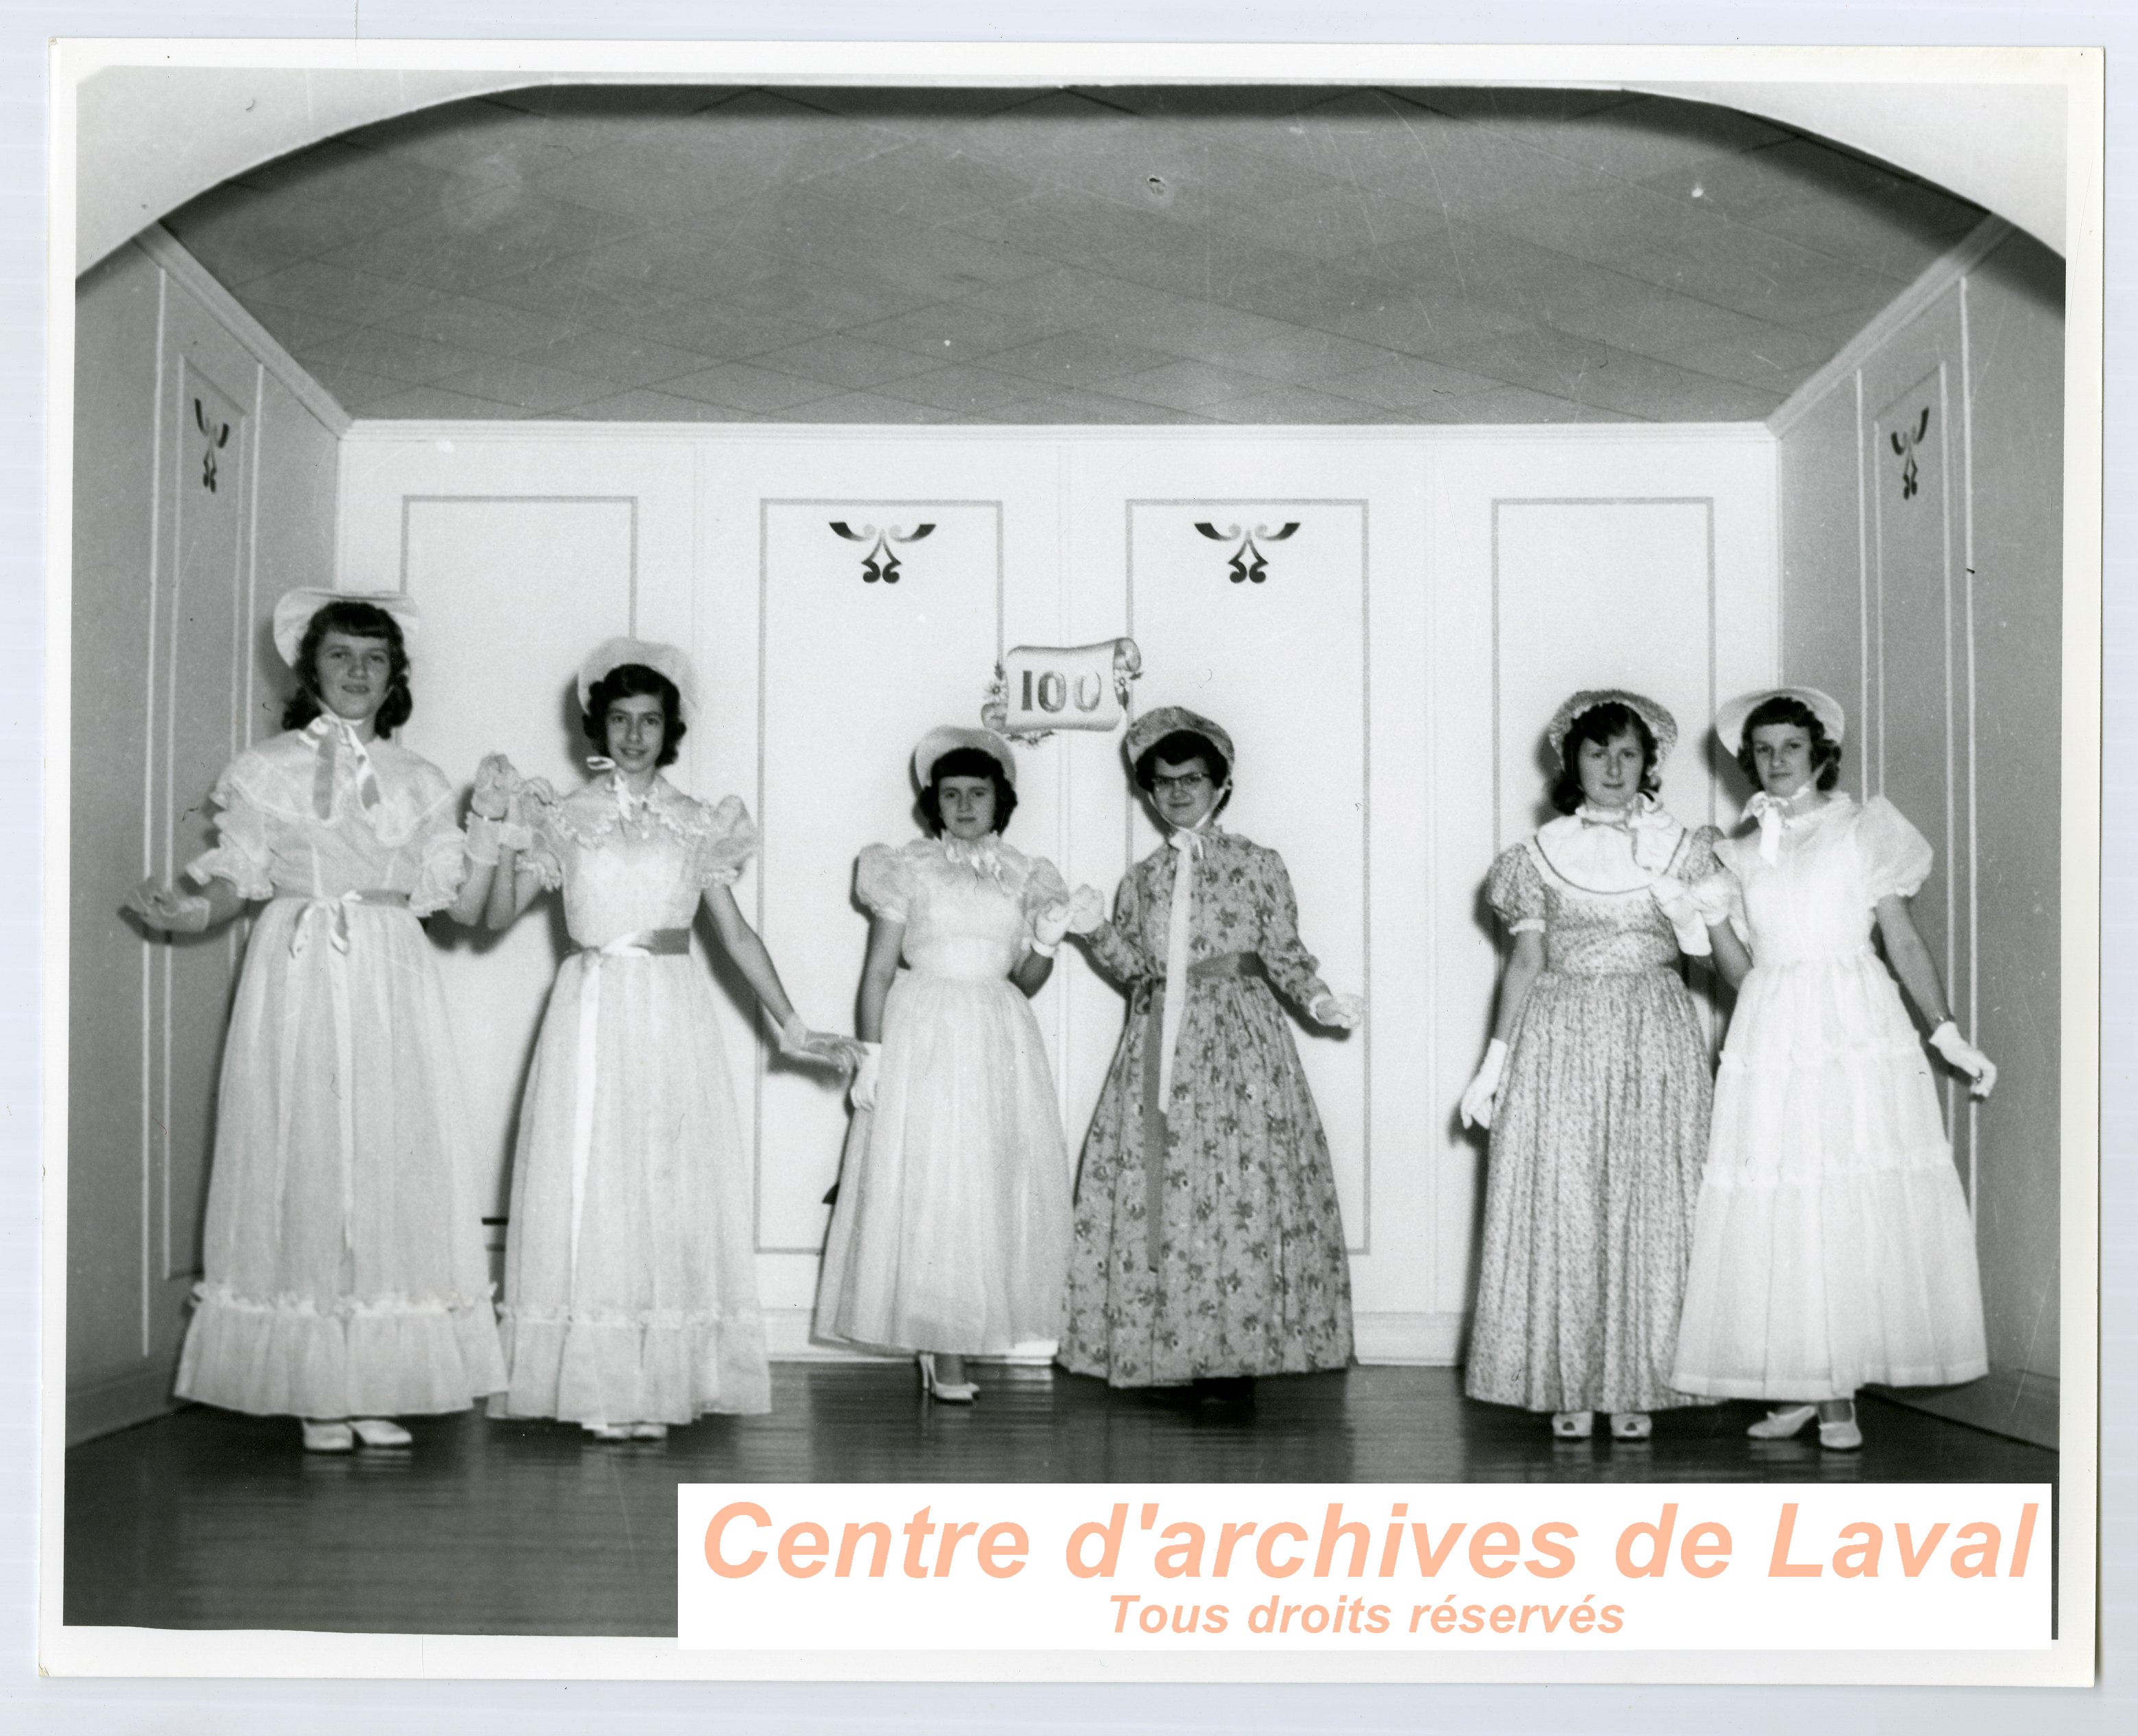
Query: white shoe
[
  {"x": 1632, "y": 1425},
  {"x": 1780, "y": 1425},
  {"x": 608, "y": 1430},
  {"x": 649, "y": 1431},
  {"x": 964, "y": 1391},
  {"x": 329, "y": 1437},
  {"x": 1841, "y": 1436},
  {"x": 377, "y": 1431},
  {"x": 1573, "y": 1425}
]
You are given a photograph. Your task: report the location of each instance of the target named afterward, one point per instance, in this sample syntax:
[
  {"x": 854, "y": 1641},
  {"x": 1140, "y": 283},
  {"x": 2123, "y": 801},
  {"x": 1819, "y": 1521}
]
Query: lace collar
[{"x": 1603, "y": 851}]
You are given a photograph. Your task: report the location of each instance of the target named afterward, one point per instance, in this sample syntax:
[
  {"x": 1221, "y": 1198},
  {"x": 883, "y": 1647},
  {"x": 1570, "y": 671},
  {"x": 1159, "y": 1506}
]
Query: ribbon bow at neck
[
  {"x": 982, "y": 855},
  {"x": 627, "y": 804},
  {"x": 1648, "y": 825},
  {"x": 1773, "y": 813},
  {"x": 334, "y": 738},
  {"x": 1188, "y": 847}
]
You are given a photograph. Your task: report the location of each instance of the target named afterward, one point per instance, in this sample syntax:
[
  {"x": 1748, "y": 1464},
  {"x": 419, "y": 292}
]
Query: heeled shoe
[
  {"x": 1573, "y": 1425},
  {"x": 964, "y": 1391},
  {"x": 329, "y": 1437},
  {"x": 1632, "y": 1425},
  {"x": 1779, "y": 1425},
  {"x": 1841, "y": 1435},
  {"x": 378, "y": 1431},
  {"x": 649, "y": 1431},
  {"x": 606, "y": 1431}
]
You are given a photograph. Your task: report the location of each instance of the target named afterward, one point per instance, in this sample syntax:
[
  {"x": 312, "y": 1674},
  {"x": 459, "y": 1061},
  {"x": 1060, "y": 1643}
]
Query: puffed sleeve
[
  {"x": 1896, "y": 858},
  {"x": 1044, "y": 888},
  {"x": 728, "y": 846},
  {"x": 240, "y": 854},
  {"x": 884, "y": 878},
  {"x": 1516, "y": 890},
  {"x": 442, "y": 844},
  {"x": 1116, "y": 946},
  {"x": 1291, "y": 966}
]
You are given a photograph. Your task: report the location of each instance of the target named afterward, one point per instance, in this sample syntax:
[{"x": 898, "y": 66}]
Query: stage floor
[{"x": 207, "y": 1519}]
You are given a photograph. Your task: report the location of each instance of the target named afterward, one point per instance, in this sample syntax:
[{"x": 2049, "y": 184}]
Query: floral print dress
[{"x": 1240, "y": 1270}]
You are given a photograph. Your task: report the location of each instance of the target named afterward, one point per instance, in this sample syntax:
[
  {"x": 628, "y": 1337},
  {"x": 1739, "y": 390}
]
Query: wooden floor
[{"x": 208, "y": 1519}]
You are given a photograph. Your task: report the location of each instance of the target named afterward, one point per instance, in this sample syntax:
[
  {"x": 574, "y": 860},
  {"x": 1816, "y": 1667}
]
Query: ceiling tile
[
  {"x": 512, "y": 380},
  {"x": 296, "y": 331},
  {"x": 1589, "y": 373},
  {"x": 1895, "y": 243},
  {"x": 1424, "y": 325},
  {"x": 1077, "y": 359},
  {"x": 1284, "y": 406},
  {"x": 352, "y": 389},
  {"x": 338, "y": 291},
  {"x": 1405, "y": 382},
  {"x": 228, "y": 232},
  {"x": 394, "y": 355},
  {"x": 724, "y": 334},
  {"x": 1069, "y": 405},
  {"x": 1776, "y": 360},
  {"x": 619, "y": 359},
  {"x": 427, "y": 402},
  {"x": 1346, "y": 220},
  {"x": 485, "y": 239},
  {"x": 863, "y": 406},
  {"x": 334, "y": 191},
  {"x": 1188, "y": 386},
  {"x": 849, "y": 363},
  {"x": 921, "y": 184},
  {"x": 961, "y": 331},
  {"x": 490, "y": 327},
  {"x": 741, "y": 387},
  {"x": 644, "y": 404},
  {"x": 1074, "y": 296},
  {"x": 1518, "y": 404},
  {"x": 1631, "y": 140},
  {"x": 961, "y": 389}
]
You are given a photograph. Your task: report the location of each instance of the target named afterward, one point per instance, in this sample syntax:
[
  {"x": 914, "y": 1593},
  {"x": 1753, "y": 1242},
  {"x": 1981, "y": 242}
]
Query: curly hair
[
  {"x": 966, "y": 763},
  {"x": 1781, "y": 708},
  {"x": 628, "y": 681},
  {"x": 1177, "y": 749},
  {"x": 359, "y": 621},
  {"x": 1602, "y": 724}
]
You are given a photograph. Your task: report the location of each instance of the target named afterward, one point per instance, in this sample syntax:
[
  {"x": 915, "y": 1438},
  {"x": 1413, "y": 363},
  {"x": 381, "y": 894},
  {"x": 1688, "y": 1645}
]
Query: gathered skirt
[
  {"x": 951, "y": 1228},
  {"x": 630, "y": 1277},
  {"x": 1598, "y": 1143},
  {"x": 1832, "y": 1246},
  {"x": 343, "y": 1267},
  {"x": 1251, "y": 1276}
]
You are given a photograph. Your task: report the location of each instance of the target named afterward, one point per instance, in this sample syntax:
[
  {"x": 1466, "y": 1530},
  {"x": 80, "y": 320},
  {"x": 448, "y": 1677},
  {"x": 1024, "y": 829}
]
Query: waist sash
[
  {"x": 1238, "y": 966},
  {"x": 641, "y": 943}
]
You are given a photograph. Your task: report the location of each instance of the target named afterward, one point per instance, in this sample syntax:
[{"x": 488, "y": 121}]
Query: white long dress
[
  {"x": 1831, "y": 1246},
  {"x": 951, "y": 1228},
  {"x": 344, "y": 1268},
  {"x": 630, "y": 1276}
]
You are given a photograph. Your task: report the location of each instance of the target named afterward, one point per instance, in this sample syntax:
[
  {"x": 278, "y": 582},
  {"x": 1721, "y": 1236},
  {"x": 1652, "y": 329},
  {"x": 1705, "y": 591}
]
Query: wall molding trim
[
  {"x": 167, "y": 252},
  {"x": 365, "y": 431},
  {"x": 1940, "y": 275}
]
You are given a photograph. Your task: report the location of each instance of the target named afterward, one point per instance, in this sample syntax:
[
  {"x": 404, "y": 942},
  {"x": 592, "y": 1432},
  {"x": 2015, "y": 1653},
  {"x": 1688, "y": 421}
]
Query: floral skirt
[
  {"x": 1249, "y": 1275},
  {"x": 1598, "y": 1143}
]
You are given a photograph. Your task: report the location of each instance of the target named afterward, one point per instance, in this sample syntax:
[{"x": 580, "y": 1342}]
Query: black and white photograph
[{"x": 1288, "y": 778}]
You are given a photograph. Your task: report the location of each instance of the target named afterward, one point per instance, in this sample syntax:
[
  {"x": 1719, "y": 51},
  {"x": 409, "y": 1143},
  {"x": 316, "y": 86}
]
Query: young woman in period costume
[
  {"x": 950, "y": 1231},
  {"x": 1832, "y": 1246},
  {"x": 1595, "y": 1086},
  {"x": 1208, "y": 1243},
  {"x": 630, "y": 1280},
  {"x": 345, "y": 1280}
]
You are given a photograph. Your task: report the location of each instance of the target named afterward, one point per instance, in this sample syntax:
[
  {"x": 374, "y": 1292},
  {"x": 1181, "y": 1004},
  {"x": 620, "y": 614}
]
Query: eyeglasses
[{"x": 1187, "y": 782}]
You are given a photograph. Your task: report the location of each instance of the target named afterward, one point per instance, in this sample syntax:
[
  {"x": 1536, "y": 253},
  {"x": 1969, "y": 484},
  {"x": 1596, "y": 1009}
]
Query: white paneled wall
[{"x": 1386, "y": 670}]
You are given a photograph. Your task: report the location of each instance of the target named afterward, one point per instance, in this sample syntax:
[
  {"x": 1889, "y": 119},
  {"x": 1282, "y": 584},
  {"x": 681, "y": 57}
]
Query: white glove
[
  {"x": 162, "y": 906},
  {"x": 1046, "y": 932},
  {"x": 494, "y": 782},
  {"x": 1963, "y": 1057},
  {"x": 1341, "y": 1013},
  {"x": 1676, "y": 901},
  {"x": 1712, "y": 898},
  {"x": 1483, "y": 1093},
  {"x": 1087, "y": 910},
  {"x": 862, "y": 1092}
]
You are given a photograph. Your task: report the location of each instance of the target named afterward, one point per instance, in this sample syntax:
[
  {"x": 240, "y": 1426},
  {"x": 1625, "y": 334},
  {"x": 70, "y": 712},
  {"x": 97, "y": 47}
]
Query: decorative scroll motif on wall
[
  {"x": 879, "y": 563},
  {"x": 1249, "y": 564},
  {"x": 218, "y": 437},
  {"x": 1904, "y": 448}
]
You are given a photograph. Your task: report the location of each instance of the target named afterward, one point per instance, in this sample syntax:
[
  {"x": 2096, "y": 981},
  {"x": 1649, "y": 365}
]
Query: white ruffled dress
[
  {"x": 629, "y": 1275},
  {"x": 951, "y": 1228},
  {"x": 343, "y": 1272},
  {"x": 1831, "y": 1245}
]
